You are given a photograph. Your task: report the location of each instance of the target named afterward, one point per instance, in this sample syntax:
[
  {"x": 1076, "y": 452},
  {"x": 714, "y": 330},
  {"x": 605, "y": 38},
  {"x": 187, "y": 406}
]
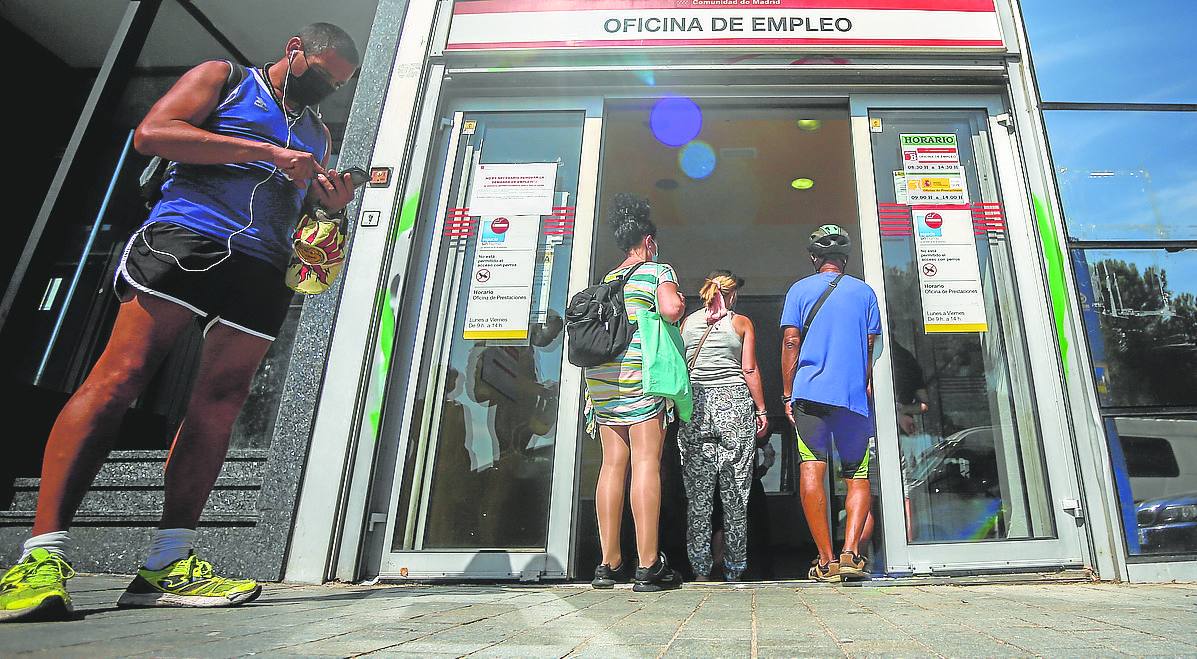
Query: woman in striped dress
[{"x": 631, "y": 425}]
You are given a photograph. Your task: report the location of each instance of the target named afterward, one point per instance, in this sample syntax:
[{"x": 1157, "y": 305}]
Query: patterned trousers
[{"x": 717, "y": 449}]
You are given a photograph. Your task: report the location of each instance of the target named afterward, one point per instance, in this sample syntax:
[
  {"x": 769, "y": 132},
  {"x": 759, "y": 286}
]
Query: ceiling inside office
[{"x": 746, "y": 215}]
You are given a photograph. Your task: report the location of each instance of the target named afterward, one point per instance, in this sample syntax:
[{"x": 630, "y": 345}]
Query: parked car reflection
[
  {"x": 1168, "y": 524},
  {"x": 953, "y": 491}
]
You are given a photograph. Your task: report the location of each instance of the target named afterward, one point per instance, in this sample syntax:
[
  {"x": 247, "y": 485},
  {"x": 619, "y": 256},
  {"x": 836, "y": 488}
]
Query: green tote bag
[{"x": 665, "y": 371}]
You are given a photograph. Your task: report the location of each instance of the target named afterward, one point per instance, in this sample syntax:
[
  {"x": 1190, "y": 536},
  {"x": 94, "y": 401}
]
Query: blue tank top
[{"x": 214, "y": 200}]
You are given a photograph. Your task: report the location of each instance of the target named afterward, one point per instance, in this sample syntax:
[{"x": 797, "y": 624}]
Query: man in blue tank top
[
  {"x": 830, "y": 322},
  {"x": 247, "y": 147}
]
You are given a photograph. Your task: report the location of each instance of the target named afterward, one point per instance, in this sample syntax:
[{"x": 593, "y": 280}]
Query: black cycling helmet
[{"x": 829, "y": 240}]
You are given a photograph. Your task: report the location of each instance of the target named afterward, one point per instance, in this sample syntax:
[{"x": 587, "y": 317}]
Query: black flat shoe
[
  {"x": 606, "y": 577},
  {"x": 658, "y": 577}
]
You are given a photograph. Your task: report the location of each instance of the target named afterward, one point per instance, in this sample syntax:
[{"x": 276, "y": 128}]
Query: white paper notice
[
  {"x": 900, "y": 195},
  {"x": 513, "y": 189},
  {"x": 931, "y": 164},
  {"x": 542, "y": 282},
  {"x": 501, "y": 278},
  {"x": 949, "y": 276},
  {"x": 930, "y": 153}
]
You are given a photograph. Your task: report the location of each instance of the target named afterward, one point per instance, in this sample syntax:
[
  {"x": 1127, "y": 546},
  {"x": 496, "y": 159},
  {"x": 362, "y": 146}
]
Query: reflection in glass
[
  {"x": 1105, "y": 51},
  {"x": 1126, "y": 175},
  {"x": 968, "y": 438},
  {"x": 485, "y": 430},
  {"x": 1154, "y": 460},
  {"x": 1140, "y": 311}
]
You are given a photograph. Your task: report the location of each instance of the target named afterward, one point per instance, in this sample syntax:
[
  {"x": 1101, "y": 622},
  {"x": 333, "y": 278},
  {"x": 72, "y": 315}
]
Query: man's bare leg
[
  {"x": 146, "y": 328},
  {"x": 812, "y": 489},
  {"x": 227, "y": 367}
]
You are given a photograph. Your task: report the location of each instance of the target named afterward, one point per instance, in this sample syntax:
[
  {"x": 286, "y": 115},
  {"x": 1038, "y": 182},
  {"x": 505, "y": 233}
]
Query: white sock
[
  {"x": 55, "y": 542},
  {"x": 168, "y": 546}
]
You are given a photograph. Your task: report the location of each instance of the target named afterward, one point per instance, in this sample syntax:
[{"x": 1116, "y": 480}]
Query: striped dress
[{"x": 614, "y": 396}]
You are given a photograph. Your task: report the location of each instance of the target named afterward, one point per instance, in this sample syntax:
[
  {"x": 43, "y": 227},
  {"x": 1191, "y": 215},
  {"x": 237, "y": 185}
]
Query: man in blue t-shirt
[{"x": 830, "y": 321}]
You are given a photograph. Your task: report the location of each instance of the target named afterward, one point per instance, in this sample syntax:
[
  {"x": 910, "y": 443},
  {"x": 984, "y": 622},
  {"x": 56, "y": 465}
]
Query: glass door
[
  {"x": 976, "y": 471},
  {"x": 484, "y": 483}
]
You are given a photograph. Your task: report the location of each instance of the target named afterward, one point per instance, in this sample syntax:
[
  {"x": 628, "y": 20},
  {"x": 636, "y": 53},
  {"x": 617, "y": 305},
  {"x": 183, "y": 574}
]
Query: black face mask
[{"x": 307, "y": 89}]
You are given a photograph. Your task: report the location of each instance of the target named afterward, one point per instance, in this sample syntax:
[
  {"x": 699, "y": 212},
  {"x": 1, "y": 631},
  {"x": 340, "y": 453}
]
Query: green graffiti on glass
[
  {"x": 386, "y": 330},
  {"x": 407, "y": 213},
  {"x": 1057, "y": 285},
  {"x": 386, "y": 341}
]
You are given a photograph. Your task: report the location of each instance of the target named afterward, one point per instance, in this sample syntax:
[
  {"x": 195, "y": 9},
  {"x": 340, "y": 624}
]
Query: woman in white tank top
[{"x": 718, "y": 443}]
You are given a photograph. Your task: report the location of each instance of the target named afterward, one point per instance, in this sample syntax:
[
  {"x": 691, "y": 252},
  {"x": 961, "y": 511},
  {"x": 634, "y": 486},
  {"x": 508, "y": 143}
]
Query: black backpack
[{"x": 597, "y": 324}]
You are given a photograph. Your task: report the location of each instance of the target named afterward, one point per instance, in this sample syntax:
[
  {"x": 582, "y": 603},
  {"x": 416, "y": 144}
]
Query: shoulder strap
[
  {"x": 694, "y": 360},
  {"x": 631, "y": 271},
  {"x": 810, "y": 318}
]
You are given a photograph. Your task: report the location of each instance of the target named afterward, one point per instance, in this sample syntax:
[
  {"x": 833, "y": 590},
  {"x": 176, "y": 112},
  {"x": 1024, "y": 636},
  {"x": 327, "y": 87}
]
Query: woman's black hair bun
[
  {"x": 629, "y": 220},
  {"x": 628, "y": 208}
]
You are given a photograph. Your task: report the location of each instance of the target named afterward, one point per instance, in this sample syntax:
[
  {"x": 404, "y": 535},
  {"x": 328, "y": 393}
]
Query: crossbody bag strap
[
  {"x": 694, "y": 360},
  {"x": 814, "y": 311}
]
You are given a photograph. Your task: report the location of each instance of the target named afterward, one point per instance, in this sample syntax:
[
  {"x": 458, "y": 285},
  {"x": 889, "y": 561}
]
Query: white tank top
[{"x": 721, "y": 362}]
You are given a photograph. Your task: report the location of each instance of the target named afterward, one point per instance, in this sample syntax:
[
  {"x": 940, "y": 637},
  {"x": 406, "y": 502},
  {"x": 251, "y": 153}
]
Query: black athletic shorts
[
  {"x": 819, "y": 424},
  {"x": 176, "y": 264}
]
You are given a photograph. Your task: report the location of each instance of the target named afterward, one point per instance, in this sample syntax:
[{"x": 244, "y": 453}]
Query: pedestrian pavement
[{"x": 745, "y": 620}]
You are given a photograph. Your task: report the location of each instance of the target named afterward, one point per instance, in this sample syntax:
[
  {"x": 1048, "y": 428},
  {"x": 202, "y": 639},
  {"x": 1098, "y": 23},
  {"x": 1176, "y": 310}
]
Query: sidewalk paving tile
[{"x": 770, "y": 620}]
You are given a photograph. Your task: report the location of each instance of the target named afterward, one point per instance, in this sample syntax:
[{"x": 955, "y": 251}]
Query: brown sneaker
[
  {"x": 853, "y": 566},
  {"x": 826, "y": 572}
]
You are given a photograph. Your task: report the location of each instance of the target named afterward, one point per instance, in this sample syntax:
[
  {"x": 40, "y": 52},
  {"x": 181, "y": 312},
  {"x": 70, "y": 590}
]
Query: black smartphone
[{"x": 357, "y": 176}]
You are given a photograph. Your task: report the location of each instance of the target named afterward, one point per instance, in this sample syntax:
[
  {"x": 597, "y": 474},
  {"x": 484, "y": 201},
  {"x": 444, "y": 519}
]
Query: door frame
[
  {"x": 554, "y": 561},
  {"x": 1069, "y": 548}
]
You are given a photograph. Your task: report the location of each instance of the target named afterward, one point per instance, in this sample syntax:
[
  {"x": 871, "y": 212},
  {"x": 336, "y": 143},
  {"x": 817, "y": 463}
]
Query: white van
[{"x": 1161, "y": 455}]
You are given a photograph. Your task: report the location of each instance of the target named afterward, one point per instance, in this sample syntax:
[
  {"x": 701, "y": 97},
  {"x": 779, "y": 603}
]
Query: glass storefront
[
  {"x": 495, "y": 476},
  {"x": 1122, "y": 139}
]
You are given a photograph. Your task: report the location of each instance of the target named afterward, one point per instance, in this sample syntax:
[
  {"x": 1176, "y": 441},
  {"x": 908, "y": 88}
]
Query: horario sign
[{"x": 873, "y": 25}]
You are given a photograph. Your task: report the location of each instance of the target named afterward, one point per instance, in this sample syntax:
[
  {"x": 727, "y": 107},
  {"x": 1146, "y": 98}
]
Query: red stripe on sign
[
  {"x": 941, "y": 207},
  {"x": 509, "y": 6},
  {"x": 600, "y": 43}
]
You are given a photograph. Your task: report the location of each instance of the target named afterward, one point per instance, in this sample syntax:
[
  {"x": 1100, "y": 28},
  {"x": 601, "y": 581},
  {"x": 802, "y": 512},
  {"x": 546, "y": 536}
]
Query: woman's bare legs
[
  {"x": 608, "y": 496},
  {"x": 647, "y": 440}
]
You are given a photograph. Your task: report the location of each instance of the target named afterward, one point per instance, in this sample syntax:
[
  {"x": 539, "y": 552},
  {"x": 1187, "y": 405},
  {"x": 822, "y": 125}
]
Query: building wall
[{"x": 1119, "y": 98}]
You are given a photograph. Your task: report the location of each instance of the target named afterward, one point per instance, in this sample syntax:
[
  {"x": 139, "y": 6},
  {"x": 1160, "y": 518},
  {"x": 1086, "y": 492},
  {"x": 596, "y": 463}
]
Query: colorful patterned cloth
[{"x": 613, "y": 391}]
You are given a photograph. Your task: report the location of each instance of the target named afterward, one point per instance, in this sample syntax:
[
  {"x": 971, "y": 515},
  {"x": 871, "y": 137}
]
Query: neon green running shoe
[
  {"x": 35, "y": 589},
  {"x": 188, "y": 582}
]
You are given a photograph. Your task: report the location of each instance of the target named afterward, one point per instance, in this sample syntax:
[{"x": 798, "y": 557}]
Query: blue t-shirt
[{"x": 835, "y": 356}]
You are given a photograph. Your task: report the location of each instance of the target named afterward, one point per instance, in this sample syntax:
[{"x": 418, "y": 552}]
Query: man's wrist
[{"x": 265, "y": 151}]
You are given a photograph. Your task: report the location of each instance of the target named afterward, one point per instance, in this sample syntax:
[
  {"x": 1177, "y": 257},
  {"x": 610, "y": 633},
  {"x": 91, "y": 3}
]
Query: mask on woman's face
[
  {"x": 307, "y": 89},
  {"x": 656, "y": 251}
]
